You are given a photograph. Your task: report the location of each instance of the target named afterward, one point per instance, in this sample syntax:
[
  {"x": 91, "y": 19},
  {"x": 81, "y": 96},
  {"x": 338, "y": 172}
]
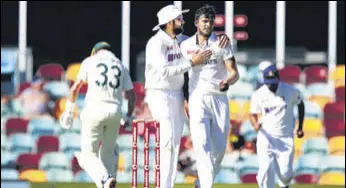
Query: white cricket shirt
[
  {"x": 276, "y": 109},
  {"x": 164, "y": 63},
  {"x": 106, "y": 76},
  {"x": 205, "y": 78}
]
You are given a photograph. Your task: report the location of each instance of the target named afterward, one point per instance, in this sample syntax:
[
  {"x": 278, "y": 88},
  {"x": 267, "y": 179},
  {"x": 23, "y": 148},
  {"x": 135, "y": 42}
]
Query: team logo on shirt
[
  {"x": 172, "y": 57},
  {"x": 169, "y": 48}
]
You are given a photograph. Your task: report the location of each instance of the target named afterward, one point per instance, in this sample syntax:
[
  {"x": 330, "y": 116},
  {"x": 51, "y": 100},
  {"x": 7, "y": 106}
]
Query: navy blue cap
[{"x": 270, "y": 75}]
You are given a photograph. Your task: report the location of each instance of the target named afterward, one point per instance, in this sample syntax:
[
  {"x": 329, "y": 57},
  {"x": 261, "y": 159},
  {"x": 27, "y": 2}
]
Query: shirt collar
[
  {"x": 166, "y": 36},
  {"x": 208, "y": 41}
]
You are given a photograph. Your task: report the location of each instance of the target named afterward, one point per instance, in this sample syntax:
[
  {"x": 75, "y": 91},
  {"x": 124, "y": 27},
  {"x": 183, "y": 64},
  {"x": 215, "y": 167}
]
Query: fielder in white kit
[
  {"x": 163, "y": 82},
  {"x": 107, "y": 78},
  {"x": 208, "y": 102},
  {"x": 275, "y": 101}
]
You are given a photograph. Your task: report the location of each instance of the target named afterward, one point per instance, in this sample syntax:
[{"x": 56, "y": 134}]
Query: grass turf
[{"x": 90, "y": 185}]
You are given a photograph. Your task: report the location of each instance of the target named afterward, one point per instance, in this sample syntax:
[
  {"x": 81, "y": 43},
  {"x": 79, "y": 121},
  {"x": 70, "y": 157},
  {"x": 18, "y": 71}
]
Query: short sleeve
[
  {"x": 127, "y": 82},
  {"x": 297, "y": 96},
  {"x": 254, "y": 106},
  {"x": 228, "y": 52}
]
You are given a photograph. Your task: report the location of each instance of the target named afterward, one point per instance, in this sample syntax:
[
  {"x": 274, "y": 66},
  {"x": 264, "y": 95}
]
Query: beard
[
  {"x": 272, "y": 87},
  {"x": 178, "y": 31}
]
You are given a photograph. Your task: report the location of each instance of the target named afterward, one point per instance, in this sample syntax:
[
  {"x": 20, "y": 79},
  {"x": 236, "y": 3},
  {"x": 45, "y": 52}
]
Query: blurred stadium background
[{"x": 59, "y": 35}]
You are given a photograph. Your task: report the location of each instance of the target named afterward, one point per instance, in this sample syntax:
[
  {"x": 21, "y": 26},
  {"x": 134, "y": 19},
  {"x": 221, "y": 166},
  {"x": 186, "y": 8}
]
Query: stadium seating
[
  {"x": 303, "y": 90},
  {"x": 308, "y": 164},
  {"x": 27, "y": 161},
  {"x": 334, "y": 110},
  {"x": 242, "y": 70},
  {"x": 8, "y": 158},
  {"x": 70, "y": 143},
  {"x": 42, "y": 126},
  {"x": 16, "y": 125},
  {"x": 320, "y": 93},
  {"x": 227, "y": 177},
  {"x": 75, "y": 165},
  {"x": 59, "y": 175},
  {"x": 340, "y": 94},
  {"x": 332, "y": 178},
  {"x": 124, "y": 177},
  {"x": 47, "y": 144},
  {"x": 229, "y": 162},
  {"x": 189, "y": 179},
  {"x": 298, "y": 146},
  {"x": 290, "y": 74},
  {"x": 249, "y": 178},
  {"x": 72, "y": 71},
  {"x": 51, "y": 71},
  {"x": 21, "y": 143},
  {"x": 338, "y": 76},
  {"x": 56, "y": 89},
  {"x": 306, "y": 179},
  {"x": 83, "y": 176},
  {"x": 313, "y": 128},
  {"x": 54, "y": 160},
  {"x": 249, "y": 165},
  {"x": 124, "y": 141},
  {"x": 33, "y": 175},
  {"x": 247, "y": 131},
  {"x": 23, "y": 86},
  {"x": 312, "y": 111},
  {"x": 180, "y": 177},
  {"x": 9, "y": 174},
  {"x": 337, "y": 145},
  {"x": 334, "y": 127},
  {"x": 317, "y": 146},
  {"x": 235, "y": 110},
  {"x": 241, "y": 91},
  {"x": 4, "y": 145},
  {"x": 333, "y": 163},
  {"x": 315, "y": 74}
]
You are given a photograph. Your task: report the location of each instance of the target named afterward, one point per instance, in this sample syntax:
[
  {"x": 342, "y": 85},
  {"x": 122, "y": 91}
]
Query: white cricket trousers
[
  {"x": 167, "y": 107},
  {"x": 275, "y": 156},
  {"x": 209, "y": 126},
  {"x": 99, "y": 126}
]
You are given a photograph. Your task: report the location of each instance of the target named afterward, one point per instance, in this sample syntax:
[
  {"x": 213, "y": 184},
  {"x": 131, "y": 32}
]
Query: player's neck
[
  {"x": 170, "y": 32},
  {"x": 202, "y": 39}
]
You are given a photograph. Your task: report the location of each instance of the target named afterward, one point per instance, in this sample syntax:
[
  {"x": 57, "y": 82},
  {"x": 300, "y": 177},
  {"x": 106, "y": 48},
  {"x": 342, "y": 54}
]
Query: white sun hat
[{"x": 168, "y": 13}]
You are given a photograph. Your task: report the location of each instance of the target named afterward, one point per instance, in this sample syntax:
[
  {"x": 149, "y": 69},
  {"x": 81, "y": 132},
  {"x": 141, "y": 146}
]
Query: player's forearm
[
  {"x": 131, "y": 101},
  {"x": 301, "y": 114},
  {"x": 174, "y": 70},
  {"x": 254, "y": 119},
  {"x": 232, "y": 71},
  {"x": 233, "y": 77},
  {"x": 74, "y": 91}
]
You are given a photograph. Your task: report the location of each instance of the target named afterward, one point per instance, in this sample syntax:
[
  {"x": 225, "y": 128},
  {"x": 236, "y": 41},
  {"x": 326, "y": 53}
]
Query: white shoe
[{"x": 110, "y": 183}]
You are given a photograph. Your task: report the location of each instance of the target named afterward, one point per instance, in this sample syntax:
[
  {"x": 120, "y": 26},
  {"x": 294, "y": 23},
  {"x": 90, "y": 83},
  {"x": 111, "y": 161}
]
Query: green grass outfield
[{"x": 89, "y": 185}]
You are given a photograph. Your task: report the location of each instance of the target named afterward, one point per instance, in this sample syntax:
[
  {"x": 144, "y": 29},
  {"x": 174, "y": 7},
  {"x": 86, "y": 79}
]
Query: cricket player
[
  {"x": 274, "y": 102},
  {"x": 107, "y": 78},
  {"x": 164, "y": 81},
  {"x": 208, "y": 103}
]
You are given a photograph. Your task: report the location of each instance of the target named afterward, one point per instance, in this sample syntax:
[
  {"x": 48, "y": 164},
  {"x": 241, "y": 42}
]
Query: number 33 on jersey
[{"x": 106, "y": 77}]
